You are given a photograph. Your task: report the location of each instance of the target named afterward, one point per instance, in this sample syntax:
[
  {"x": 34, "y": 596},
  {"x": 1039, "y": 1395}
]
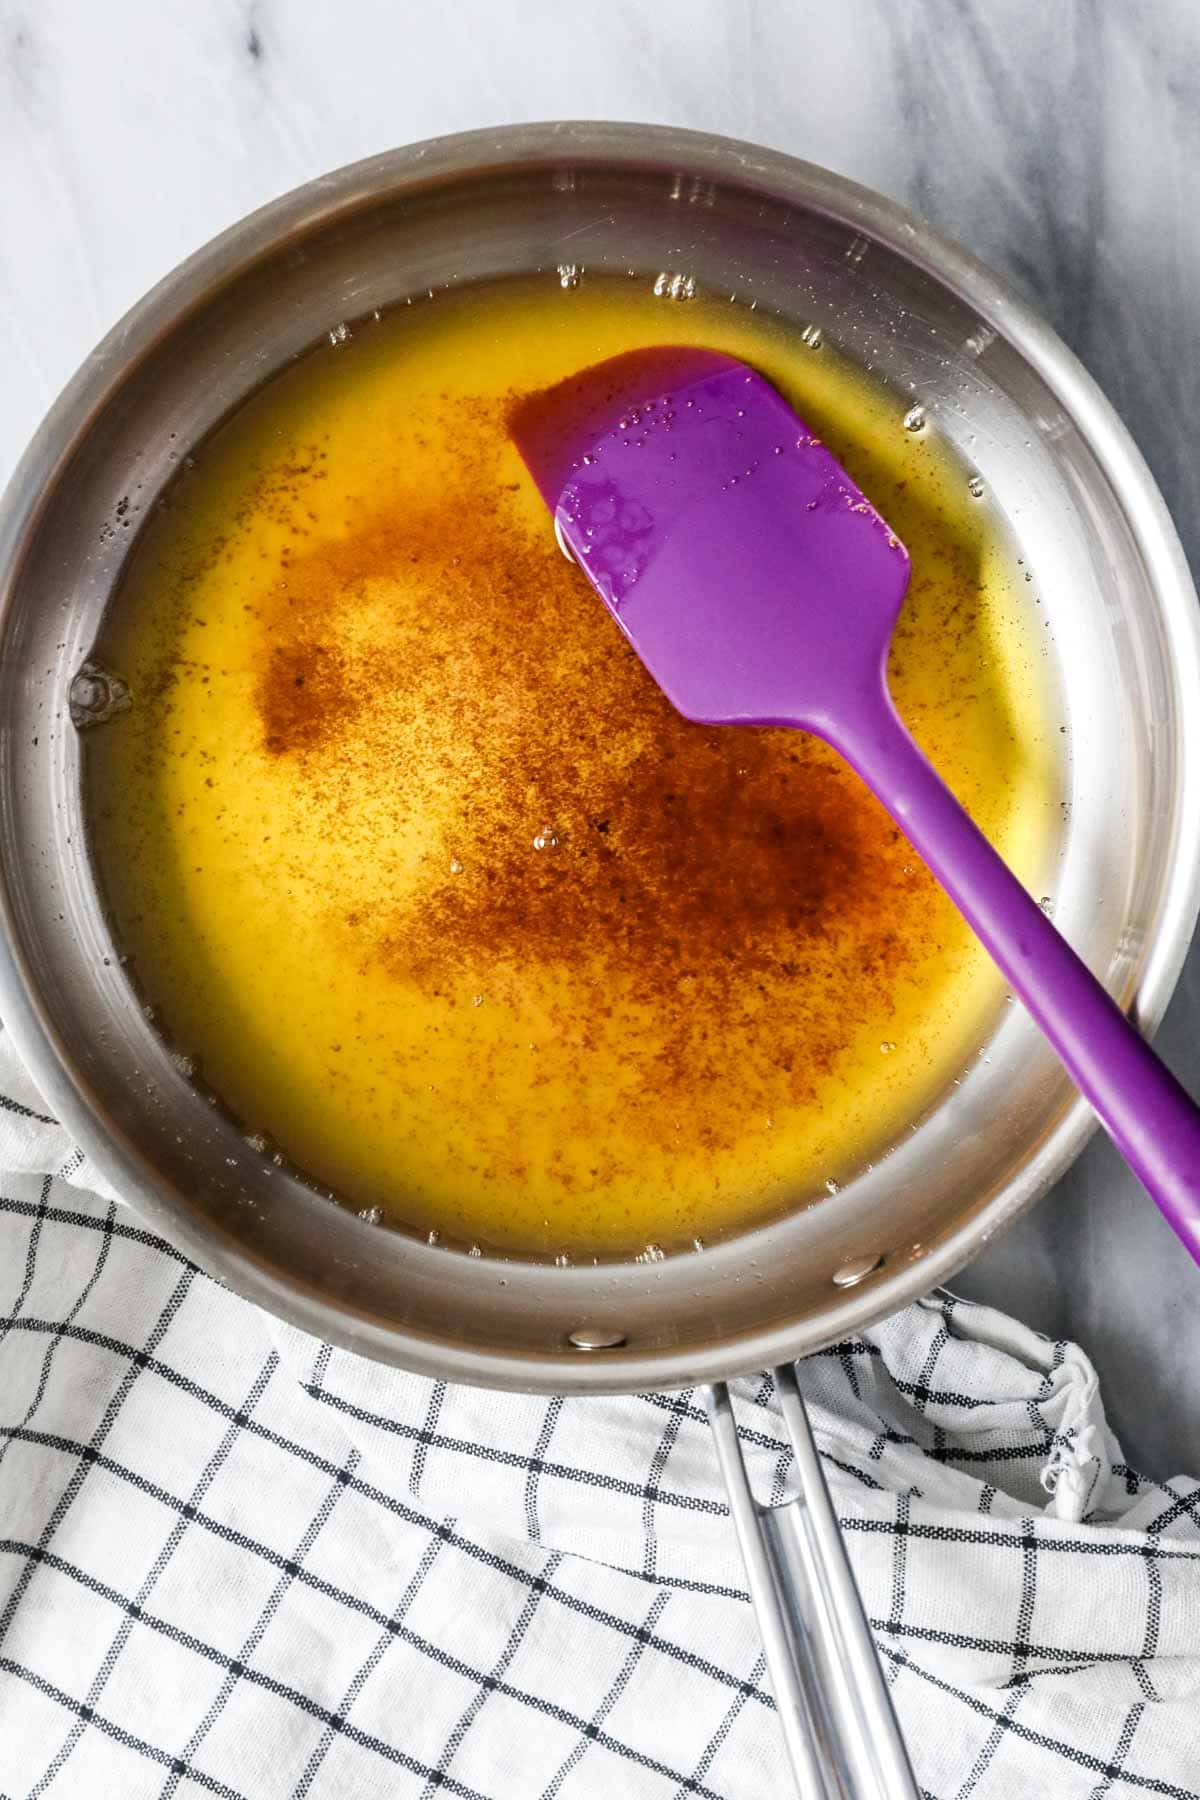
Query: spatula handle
[{"x": 1148, "y": 1115}]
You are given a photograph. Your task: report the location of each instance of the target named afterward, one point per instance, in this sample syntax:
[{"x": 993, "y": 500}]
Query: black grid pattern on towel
[{"x": 241, "y": 1606}]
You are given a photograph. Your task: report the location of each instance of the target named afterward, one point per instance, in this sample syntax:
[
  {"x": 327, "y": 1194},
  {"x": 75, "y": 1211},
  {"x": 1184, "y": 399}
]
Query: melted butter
[{"x": 412, "y": 855}]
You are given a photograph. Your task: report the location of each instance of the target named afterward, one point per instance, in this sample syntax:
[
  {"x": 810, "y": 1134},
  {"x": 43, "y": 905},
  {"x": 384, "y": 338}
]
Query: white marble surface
[{"x": 1060, "y": 139}]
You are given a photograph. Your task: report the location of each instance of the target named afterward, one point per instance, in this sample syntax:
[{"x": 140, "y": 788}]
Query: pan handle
[{"x": 834, "y": 1706}]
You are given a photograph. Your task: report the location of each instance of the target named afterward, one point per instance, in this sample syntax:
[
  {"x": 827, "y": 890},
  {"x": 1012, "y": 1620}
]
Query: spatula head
[{"x": 754, "y": 579}]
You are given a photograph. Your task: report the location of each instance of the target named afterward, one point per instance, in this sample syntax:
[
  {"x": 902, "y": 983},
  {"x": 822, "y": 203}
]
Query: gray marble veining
[{"x": 1061, "y": 142}]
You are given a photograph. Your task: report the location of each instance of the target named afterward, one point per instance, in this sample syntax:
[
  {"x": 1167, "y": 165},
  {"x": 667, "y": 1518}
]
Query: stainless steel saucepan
[{"x": 1124, "y": 871}]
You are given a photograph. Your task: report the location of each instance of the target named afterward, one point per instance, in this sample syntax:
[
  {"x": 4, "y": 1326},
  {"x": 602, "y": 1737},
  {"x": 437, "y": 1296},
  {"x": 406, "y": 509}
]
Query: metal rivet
[
  {"x": 97, "y": 695},
  {"x": 590, "y": 1337},
  {"x": 851, "y": 1273}
]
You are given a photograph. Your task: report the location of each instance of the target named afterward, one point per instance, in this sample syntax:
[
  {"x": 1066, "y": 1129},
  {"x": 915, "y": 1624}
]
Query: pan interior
[{"x": 438, "y": 892}]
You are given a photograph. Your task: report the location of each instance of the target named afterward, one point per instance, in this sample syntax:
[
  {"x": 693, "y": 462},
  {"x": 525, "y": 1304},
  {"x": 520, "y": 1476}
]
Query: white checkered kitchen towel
[{"x": 234, "y": 1561}]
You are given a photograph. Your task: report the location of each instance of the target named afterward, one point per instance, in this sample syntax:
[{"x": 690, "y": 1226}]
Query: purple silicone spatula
[{"x": 760, "y": 587}]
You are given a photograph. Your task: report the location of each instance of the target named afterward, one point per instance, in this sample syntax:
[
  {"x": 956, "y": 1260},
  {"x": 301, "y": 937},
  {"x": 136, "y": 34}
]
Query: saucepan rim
[{"x": 780, "y": 177}]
